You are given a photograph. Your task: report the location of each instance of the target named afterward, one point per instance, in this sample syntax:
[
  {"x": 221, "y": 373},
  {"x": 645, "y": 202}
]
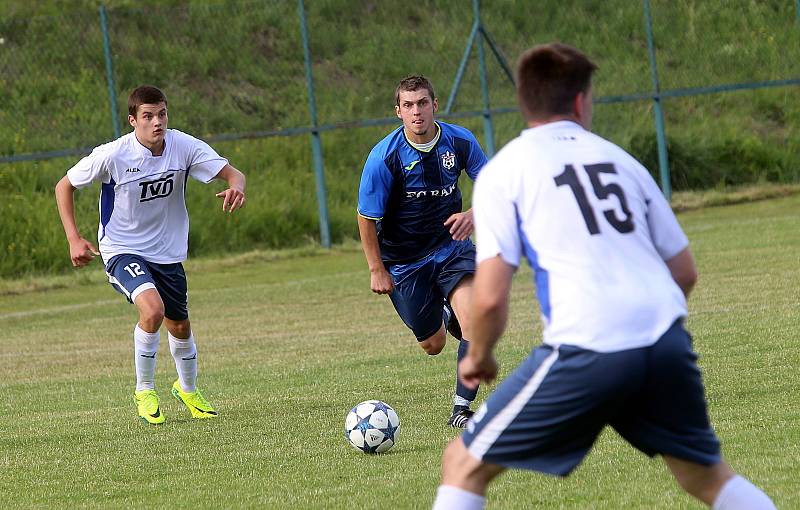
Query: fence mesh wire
[
  {"x": 53, "y": 93},
  {"x": 236, "y": 68},
  {"x": 234, "y": 73}
]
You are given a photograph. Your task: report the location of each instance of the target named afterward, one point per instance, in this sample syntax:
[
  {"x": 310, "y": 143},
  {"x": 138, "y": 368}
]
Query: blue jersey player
[
  {"x": 612, "y": 269},
  {"x": 413, "y": 232}
]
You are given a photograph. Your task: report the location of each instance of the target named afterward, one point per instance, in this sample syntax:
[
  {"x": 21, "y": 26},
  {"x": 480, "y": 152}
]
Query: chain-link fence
[{"x": 722, "y": 75}]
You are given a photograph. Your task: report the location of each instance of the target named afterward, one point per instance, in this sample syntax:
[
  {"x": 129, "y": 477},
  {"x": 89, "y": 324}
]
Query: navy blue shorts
[
  {"x": 132, "y": 274},
  {"x": 422, "y": 286},
  {"x": 547, "y": 414}
]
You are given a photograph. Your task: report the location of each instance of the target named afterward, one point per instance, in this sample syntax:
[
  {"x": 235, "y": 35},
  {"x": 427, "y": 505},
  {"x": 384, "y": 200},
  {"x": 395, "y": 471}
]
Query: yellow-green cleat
[
  {"x": 147, "y": 406},
  {"x": 197, "y": 405}
]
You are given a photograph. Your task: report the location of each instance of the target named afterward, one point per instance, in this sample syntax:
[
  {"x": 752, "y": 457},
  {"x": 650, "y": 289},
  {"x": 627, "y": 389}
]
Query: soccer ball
[{"x": 372, "y": 426}]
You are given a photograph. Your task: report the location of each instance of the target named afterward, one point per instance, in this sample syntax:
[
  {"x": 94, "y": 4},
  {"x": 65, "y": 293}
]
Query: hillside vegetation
[{"x": 237, "y": 67}]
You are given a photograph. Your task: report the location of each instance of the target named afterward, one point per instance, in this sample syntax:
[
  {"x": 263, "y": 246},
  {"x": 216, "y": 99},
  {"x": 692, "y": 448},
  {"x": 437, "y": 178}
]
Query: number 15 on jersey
[{"x": 570, "y": 178}]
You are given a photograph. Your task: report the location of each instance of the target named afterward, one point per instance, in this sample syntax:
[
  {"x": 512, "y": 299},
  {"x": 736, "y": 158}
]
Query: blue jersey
[{"x": 410, "y": 193}]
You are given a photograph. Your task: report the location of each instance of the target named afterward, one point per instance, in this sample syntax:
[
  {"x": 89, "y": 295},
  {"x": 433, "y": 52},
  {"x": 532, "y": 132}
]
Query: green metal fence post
[
  {"x": 663, "y": 163},
  {"x": 316, "y": 141},
  {"x": 112, "y": 89},
  {"x": 487, "y": 36},
  {"x": 488, "y": 128}
]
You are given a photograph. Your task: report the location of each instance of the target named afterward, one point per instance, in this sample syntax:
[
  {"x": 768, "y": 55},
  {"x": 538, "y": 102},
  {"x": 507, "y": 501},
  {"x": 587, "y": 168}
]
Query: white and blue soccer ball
[{"x": 372, "y": 426}]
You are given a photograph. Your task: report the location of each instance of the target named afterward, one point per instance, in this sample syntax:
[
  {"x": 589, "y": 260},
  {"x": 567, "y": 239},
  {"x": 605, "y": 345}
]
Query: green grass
[{"x": 289, "y": 342}]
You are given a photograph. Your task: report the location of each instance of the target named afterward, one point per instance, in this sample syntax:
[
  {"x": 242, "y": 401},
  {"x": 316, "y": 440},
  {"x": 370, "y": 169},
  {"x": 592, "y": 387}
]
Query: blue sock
[{"x": 464, "y": 396}]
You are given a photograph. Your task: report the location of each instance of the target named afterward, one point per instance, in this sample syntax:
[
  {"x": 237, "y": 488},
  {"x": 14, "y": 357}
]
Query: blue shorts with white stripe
[
  {"x": 547, "y": 414},
  {"x": 131, "y": 274}
]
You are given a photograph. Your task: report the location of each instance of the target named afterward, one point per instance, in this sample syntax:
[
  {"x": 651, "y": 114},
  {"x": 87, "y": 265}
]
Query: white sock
[
  {"x": 185, "y": 354},
  {"x": 739, "y": 494},
  {"x": 449, "y": 497},
  {"x": 461, "y": 401},
  {"x": 145, "y": 348}
]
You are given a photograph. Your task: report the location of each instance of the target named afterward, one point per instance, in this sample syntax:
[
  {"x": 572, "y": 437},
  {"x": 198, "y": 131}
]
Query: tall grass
[{"x": 233, "y": 67}]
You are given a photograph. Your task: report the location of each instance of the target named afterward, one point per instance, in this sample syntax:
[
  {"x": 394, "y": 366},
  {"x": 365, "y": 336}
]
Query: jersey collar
[
  {"x": 426, "y": 147},
  {"x": 144, "y": 151},
  {"x": 559, "y": 124}
]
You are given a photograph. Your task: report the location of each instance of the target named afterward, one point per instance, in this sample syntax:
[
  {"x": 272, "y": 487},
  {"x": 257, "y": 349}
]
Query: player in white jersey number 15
[
  {"x": 613, "y": 269},
  {"x": 143, "y": 236}
]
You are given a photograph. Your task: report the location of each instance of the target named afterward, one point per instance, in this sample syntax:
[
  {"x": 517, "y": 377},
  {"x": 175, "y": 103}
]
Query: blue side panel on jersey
[
  {"x": 541, "y": 277},
  {"x": 106, "y": 204},
  {"x": 462, "y": 149},
  {"x": 395, "y": 165},
  {"x": 375, "y": 187},
  {"x": 389, "y": 199}
]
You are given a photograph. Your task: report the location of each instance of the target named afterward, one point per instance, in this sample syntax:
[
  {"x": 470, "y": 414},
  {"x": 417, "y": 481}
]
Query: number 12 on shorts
[
  {"x": 570, "y": 178},
  {"x": 134, "y": 269}
]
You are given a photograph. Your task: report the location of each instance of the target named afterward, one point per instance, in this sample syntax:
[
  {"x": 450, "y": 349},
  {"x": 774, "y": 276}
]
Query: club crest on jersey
[
  {"x": 158, "y": 188},
  {"x": 448, "y": 160}
]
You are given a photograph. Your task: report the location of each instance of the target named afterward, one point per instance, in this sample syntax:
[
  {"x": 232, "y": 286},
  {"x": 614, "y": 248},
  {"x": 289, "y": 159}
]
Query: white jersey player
[
  {"x": 143, "y": 235},
  {"x": 612, "y": 270}
]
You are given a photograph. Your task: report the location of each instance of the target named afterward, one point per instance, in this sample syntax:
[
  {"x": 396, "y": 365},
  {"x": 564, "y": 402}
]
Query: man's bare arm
[
  {"x": 683, "y": 270},
  {"x": 380, "y": 279},
  {"x": 81, "y": 251}
]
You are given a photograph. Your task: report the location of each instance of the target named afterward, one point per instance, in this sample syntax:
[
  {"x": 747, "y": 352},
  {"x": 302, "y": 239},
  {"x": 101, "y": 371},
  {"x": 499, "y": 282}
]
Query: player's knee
[
  {"x": 151, "y": 315},
  {"x": 461, "y": 469},
  {"x": 433, "y": 345},
  {"x": 151, "y": 320},
  {"x": 452, "y": 457},
  {"x": 180, "y": 329},
  {"x": 432, "y": 350}
]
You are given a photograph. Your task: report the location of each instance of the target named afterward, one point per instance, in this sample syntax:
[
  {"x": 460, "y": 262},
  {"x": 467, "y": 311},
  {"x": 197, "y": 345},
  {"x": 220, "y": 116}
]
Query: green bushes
[{"x": 719, "y": 163}]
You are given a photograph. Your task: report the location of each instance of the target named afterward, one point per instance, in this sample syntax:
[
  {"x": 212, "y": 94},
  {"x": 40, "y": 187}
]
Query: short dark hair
[
  {"x": 549, "y": 77},
  {"x": 144, "y": 94},
  {"x": 412, "y": 83}
]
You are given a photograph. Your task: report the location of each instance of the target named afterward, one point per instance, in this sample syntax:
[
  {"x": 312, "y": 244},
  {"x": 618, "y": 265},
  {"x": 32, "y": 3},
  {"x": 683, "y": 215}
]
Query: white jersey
[
  {"x": 594, "y": 227},
  {"x": 142, "y": 198}
]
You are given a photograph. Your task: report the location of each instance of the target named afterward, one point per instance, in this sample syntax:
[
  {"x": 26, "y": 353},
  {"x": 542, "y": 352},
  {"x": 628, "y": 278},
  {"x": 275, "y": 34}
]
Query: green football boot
[
  {"x": 147, "y": 406},
  {"x": 197, "y": 405}
]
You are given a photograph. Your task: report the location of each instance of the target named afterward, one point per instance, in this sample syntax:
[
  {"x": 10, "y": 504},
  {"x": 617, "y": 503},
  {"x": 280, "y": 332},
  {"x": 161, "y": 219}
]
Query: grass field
[{"x": 289, "y": 343}]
